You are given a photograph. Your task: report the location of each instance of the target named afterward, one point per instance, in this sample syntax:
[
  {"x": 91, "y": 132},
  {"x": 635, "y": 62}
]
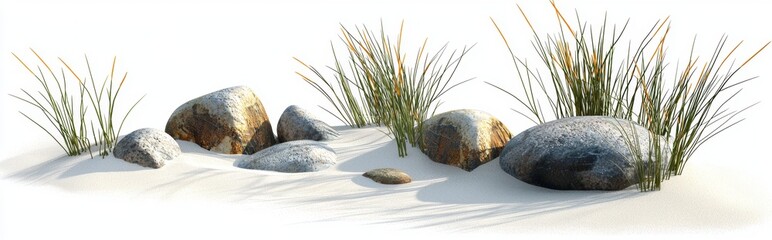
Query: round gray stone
[
  {"x": 577, "y": 153},
  {"x": 147, "y": 147},
  {"x": 388, "y": 176},
  {"x": 291, "y": 157},
  {"x": 298, "y": 124}
]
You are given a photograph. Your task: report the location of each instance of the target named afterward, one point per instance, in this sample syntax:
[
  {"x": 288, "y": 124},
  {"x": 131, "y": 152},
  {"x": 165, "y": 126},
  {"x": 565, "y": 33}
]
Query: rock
[
  {"x": 388, "y": 176},
  {"x": 147, "y": 147},
  {"x": 577, "y": 153},
  {"x": 297, "y": 124},
  {"x": 291, "y": 157},
  {"x": 230, "y": 120},
  {"x": 463, "y": 138}
]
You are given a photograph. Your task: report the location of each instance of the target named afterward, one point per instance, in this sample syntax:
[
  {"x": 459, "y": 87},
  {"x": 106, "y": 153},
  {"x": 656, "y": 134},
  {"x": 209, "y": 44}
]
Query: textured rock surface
[
  {"x": 147, "y": 147},
  {"x": 297, "y": 124},
  {"x": 294, "y": 156},
  {"x": 578, "y": 153},
  {"x": 231, "y": 121},
  {"x": 464, "y": 138},
  {"x": 388, "y": 176}
]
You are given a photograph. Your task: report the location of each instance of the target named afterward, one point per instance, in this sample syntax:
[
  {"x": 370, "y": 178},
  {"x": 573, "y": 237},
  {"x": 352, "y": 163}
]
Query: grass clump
[
  {"x": 103, "y": 99},
  {"x": 59, "y": 107},
  {"x": 586, "y": 78},
  {"x": 69, "y": 121},
  {"x": 379, "y": 83}
]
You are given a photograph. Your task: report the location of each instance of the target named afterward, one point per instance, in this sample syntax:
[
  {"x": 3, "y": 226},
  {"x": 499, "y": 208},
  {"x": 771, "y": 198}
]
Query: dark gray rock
[
  {"x": 463, "y": 138},
  {"x": 577, "y": 153},
  {"x": 230, "y": 120},
  {"x": 291, "y": 157},
  {"x": 388, "y": 176},
  {"x": 147, "y": 147},
  {"x": 298, "y": 124}
]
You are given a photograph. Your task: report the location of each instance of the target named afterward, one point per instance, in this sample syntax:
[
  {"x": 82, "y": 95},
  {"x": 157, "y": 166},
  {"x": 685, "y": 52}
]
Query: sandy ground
[{"x": 441, "y": 199}]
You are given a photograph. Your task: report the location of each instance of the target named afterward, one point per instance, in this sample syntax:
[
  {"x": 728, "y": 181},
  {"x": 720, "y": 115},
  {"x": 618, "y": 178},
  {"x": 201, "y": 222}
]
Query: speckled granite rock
[
  {"x": 230, "y": 120},
  {"x": 291, "y": 157},
  {"x": 577, "y": 153},
  {"x": 298, "y": 124},
  {"x": 388, "y": 176},
  {"x": 147, "y": 147},
  {"x": 464, "y": 138}
]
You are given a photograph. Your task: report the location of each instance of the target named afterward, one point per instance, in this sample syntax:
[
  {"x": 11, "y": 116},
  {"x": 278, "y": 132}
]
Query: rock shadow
[{"x": 48, "y": 168}]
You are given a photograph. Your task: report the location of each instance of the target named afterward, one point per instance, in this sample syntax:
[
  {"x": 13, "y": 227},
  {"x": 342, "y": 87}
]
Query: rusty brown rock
[
  {"x": 230, "y": 120},
  {"x": 464, "y": 138}
]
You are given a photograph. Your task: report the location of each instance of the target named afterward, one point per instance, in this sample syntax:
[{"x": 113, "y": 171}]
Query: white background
[{"x": 178, "y": 50}]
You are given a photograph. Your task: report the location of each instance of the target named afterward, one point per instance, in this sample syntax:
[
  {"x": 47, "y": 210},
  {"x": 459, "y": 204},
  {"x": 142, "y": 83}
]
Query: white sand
[
  {"x": 440, "y": 199},
  {"x": 176, "y": 52}
]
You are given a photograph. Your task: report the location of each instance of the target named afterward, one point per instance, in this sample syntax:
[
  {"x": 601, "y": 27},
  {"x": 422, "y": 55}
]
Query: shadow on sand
[
  {"x": 445, "y": 195},
  {"x": 49, "y": 165}
]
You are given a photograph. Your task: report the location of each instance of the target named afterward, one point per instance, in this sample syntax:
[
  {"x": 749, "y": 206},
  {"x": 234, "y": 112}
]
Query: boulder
[
  {"x": 577, "y": 153},
  {"x": 388, "y": 176},
  {"x": 230, "y": 120},
  {"x": 298, "y": 124},
  {"x": 463, "y": 138},
  {"x": 147, "y": 147},
  {"x": 291, "y": 157}
]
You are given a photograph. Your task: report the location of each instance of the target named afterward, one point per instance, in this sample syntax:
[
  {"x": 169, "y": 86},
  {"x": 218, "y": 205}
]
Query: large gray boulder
[
  {"x": 291, "y": 157},
  {"x": 298, "y": 124},
  {"x": 230, "y": 120},
  {"x": 147, "y": 147},
  {"x": 578, "y": 153},
  {"x": 463, "y": 138}
]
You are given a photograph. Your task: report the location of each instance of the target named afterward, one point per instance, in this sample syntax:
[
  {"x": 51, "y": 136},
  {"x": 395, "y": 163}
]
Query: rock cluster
[
  {"x": 577, "y": 153},
  {"x": 233, "y": 121}
]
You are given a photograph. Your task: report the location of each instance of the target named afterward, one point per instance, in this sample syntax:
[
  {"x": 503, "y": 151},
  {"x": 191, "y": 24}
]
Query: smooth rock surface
[
  {"x": 230, "y": 120},
  {"x": 464, "y": 138},
  {"x": 388, "y": 176},
  {"x": 147, "y": 147},
  {"x": 291, "y": 157},
  {"x": 577, "y": 153},
  {"x": 296, "y": 123}
]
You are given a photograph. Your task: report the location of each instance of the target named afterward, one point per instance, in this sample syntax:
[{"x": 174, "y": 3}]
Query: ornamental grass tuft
[
  {"x": 379, "y": 83},
  {"x": 70, "y": 119},
  {"x": 62, "y": 110}
]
